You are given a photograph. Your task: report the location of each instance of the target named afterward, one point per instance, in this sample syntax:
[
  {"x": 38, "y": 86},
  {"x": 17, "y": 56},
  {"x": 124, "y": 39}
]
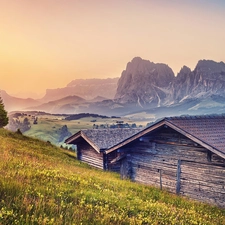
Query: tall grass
[{"x": 42, "y": 184}]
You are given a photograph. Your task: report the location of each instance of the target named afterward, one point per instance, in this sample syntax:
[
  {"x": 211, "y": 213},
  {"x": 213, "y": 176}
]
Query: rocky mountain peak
[
  {"x": 184, "y": 70},
  {"x": 137, "y": 59},
  {"x": 209, "y": 66},
  {"x": 144, "y": 82},
  {"x": 208, "y": 78},
  {"x": 139, "y": 65},
  {"x": 183, "y": 74}
]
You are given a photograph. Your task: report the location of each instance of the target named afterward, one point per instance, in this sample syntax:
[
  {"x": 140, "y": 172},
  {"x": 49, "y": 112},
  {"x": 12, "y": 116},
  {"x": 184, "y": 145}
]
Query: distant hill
[
  {"x": 84, "y": 115},
  {"x": 13, "y": 103},
  {"x": 85, "y": 88},
  {"x": 97, "y": 99},
  {"x": 69, "y": 104}
]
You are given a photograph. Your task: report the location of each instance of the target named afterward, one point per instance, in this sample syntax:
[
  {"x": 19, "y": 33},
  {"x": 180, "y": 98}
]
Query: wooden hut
[
  {"x": 91, "y": 145},
  {"x": 185, "y": 155}
]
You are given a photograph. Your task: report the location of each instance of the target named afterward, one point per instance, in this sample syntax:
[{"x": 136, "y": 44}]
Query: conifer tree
[{"x": 3, "y": 115}]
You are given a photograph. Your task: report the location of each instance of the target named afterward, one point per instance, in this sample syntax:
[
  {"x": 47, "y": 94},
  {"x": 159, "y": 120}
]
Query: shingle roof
[
  {"x": 103, "y": 139},
  {"x": 209, "y": 129}
]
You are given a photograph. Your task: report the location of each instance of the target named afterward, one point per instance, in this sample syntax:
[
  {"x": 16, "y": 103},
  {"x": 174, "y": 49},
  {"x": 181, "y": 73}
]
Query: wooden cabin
[
  {"x": 91, "y": 145},
  {"x": 184, "y": 155}
]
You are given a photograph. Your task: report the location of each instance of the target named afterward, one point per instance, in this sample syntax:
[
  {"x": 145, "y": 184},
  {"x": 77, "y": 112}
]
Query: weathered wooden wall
[
  {"x": 203, "y": 182},
  {"x": 89, "y": 155},
  {"x": 115, "y": 167},
  {"x": 171, "y": 161}
]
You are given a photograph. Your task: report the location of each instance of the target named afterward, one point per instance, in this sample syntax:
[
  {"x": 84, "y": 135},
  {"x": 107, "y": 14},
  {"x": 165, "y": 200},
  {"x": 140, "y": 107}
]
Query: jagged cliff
[
  {"x": 207, "y": 79},
  {"x": 145, "y": 83}
]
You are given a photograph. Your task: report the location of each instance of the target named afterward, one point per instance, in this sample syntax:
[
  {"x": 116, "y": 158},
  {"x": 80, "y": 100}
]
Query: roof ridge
[{"x": 208, "y": 116}]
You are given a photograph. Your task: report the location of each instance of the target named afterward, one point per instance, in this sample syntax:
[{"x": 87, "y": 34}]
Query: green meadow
[
  {"x": 48, "y": 126},
  {"x": 43, "y": 184}
]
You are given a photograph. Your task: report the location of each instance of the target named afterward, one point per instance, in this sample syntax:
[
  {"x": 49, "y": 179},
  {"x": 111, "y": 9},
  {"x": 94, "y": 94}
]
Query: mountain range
[
  {"x": 68, "y": 99},
  {"x": 154, "y": 88},
  {"x": 85, "y": 88},
  {"x": 148, "y": 84},
  {"x": 142, "y": 86},
  {"x": 13, "y": 103}
]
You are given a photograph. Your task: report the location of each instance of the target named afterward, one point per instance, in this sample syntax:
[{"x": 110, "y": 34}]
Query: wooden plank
[
  {"x": 93, "y": 161},
  {"x": 174, "y": 152},
  {"x": 210, "y": 194},
  {"x": 203, "y": 164},
  {"x": 215, "y": 171},
  {"x": 165, "y": 173},
  {"x": 174, "y": 142},
  {"x": 205, "y": 145},
  {"x": 202, "y": 183},
  {"x": 169, "y": 188},
  {"x": 160, "y": 179},
  {"x": 217, "y": 180},
  {"x": 154, "y": 161},
  {"x": 178, "y": 177},
  {"x": 147, "y": 177}
]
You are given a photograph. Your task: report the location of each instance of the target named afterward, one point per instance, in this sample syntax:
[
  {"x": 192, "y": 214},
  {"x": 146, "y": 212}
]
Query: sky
[{"x": 46, "y": 44}]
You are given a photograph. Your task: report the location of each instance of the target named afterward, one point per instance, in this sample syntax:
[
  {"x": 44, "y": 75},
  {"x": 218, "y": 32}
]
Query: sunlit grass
[{"x": 42, "y": 184}]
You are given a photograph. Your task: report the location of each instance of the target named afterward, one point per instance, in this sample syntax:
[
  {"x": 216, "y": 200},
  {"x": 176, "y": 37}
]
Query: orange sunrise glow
[{"x": 48, "y": 43}]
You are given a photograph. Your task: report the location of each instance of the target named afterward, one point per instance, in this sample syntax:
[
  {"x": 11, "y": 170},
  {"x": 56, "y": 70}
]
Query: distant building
[{"x": 91, "y": 145}]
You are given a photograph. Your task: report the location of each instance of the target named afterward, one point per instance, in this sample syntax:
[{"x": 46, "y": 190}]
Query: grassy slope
[{"x": 42, "y": 184}]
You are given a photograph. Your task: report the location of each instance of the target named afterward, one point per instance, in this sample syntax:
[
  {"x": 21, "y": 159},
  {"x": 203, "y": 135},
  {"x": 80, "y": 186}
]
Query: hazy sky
[{"x": 48, "y": 43}]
